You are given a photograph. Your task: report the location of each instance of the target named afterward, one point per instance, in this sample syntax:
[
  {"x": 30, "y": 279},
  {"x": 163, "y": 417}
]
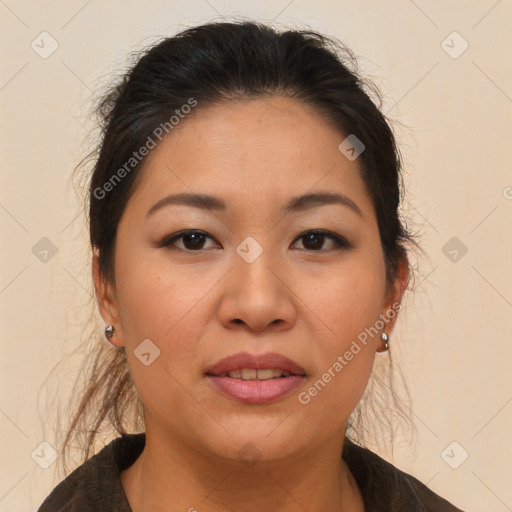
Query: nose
[{"x": 257, "y": 297}]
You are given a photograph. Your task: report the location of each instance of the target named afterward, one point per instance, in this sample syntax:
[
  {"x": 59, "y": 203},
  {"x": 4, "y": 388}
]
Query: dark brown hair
[{"x": 208, "y": 64}]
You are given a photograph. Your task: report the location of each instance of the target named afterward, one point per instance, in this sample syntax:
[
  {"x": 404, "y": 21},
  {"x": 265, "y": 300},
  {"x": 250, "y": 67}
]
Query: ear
[
  {"x": 392, "y": 303},
  {"x": 105, "y": 297}
]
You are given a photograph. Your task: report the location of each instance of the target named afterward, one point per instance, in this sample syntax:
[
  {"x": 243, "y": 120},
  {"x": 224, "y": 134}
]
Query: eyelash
[{"x": 341, "y": 242}]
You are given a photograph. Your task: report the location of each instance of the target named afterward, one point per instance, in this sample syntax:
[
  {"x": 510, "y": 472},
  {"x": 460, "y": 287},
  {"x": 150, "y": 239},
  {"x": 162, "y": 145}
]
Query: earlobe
[
  {"x": 393, "y": 304},
  {"x": 106, "y": 303},
  {"x": 104, "y": 293}
]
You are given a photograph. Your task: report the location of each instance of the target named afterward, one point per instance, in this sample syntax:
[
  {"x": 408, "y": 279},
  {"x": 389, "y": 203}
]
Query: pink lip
[
  {"x": 258, "y": 362},
  {"x": 256, "y": 391}
]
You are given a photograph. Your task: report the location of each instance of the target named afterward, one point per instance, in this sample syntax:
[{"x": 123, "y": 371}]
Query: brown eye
[
  {"x": 314, "y": 240},
  {"x": 192, "y": 241}
]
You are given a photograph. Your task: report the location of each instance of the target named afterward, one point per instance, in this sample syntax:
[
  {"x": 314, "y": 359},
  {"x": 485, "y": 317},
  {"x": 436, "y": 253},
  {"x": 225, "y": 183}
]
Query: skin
[{"x": 200, "y": 305}]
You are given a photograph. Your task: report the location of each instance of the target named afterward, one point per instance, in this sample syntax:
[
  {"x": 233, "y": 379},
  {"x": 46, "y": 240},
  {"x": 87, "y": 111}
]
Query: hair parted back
[{"x": 215, "y": 63}]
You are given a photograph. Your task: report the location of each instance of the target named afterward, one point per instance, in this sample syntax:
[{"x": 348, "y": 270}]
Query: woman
[{"x": 249, "y": 262}]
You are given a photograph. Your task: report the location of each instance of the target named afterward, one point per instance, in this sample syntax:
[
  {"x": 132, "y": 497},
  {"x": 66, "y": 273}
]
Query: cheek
[
  {"x": 166, "y": 306},
  {"x": 346, "y": 299},
  {"x": 170, "y": 306},
  {"x": 156, "y": 298},
  {"x": 346, "y": 304}
]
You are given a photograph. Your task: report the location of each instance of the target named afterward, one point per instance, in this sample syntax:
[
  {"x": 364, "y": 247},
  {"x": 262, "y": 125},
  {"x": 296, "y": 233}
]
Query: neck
[{"x": 170, "y": 475}]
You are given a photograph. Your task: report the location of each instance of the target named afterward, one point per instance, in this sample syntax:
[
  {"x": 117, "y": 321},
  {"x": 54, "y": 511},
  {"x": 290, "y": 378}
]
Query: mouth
[
  {"x": 257, "y": 374},
  {"x": 256, "y": 379},
  {"x": 247, "y": 366}
]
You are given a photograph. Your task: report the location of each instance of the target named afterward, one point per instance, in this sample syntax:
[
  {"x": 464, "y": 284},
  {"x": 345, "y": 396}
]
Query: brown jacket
[{"x": 95, "y": 486}]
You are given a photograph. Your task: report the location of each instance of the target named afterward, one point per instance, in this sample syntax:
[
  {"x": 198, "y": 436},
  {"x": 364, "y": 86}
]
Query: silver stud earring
[
  {"x": 110, "y": 331},
  {"x": 385, "y": 339}
]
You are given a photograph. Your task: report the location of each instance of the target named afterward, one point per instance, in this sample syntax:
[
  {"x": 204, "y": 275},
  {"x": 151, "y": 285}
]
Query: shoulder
[
  {"x": 96, "y": 485},
  {"x": 385, "y": 487}
]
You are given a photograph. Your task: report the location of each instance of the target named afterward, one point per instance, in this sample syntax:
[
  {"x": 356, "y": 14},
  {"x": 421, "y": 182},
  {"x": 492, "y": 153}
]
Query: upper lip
[{"x": 243, "y": 360}]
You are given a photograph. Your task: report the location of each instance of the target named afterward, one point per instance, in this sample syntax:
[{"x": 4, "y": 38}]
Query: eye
[
  {"x": 314, "y": 240},
  {"x": 192, "y": 240}
]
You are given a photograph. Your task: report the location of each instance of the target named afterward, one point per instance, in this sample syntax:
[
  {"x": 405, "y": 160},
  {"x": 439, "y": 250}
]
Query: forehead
[{"x": 254, "y": 151}]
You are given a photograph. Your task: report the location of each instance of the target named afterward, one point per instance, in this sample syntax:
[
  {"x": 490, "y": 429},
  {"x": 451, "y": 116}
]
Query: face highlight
[{"x": 249, "y": 231}]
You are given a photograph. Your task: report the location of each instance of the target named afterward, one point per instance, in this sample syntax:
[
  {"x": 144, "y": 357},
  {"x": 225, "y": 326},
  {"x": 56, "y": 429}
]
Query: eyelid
[
  {"x": 339, "y": 240},
  {"x": 167, "y": 240}
]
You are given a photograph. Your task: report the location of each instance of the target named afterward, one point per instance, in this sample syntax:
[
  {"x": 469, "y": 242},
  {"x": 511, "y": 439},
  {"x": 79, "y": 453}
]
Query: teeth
[
  {"x": 266, "y": 374},
  {"x": 249, "y": 374},
  {"x": 252, "y": 374}
]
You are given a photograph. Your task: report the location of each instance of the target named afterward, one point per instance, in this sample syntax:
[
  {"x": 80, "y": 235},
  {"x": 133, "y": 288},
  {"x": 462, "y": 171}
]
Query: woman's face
[{"x": 255, "y": 280}]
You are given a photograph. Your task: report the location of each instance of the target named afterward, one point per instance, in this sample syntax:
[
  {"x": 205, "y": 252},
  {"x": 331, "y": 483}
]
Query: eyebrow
[{"x": 294, "y": 205}]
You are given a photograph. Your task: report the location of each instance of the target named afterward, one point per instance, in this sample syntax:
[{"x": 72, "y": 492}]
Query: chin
[{"x": 252, "y": 439}]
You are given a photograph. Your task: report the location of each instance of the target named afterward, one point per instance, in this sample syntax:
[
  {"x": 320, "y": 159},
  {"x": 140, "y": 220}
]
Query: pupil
[
  {"x": 314, "y": 237},
  {"x": 196, "y": 240}
]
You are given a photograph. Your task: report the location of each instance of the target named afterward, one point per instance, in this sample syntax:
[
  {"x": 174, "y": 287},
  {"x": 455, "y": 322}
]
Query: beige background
[{"x": 454, "y": 335}]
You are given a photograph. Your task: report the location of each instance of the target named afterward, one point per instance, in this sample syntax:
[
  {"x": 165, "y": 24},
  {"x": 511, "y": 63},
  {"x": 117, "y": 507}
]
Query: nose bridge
[
  {"x": 255, "y": 294},
  {"x": 255, "y": 269},
  {"x": 257, "y": 276}
]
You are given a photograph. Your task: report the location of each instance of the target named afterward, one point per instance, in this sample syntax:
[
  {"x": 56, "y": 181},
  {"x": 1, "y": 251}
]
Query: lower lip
[{"x": 256, "y": 391}]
